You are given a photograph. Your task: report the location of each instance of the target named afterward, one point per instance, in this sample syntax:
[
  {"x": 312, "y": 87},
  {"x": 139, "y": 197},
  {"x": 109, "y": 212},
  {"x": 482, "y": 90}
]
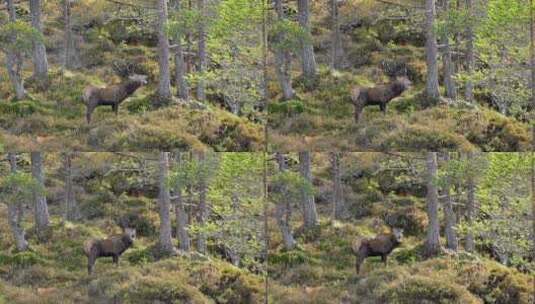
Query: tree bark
[
  {"x": 470, "y": 56},
  {"x": 451, "y": 220},
  {"x": 310, "y": 215},
  {"x": 432, "y": 244},
  {"x": 451, "y": 90},
  {"x": 180, "y": 65},
  {"x": 40, "y": 62},
  {"x": 532, "y": 58},
  {"x": 283, "y": 212},
  {"x": 68, "y": 41},
  {"x": 182, "y": 221},
  {"x": 431, "y": 51},
  {"x": 470, "y": 209},
  {"x": 15, "y": 213},
  {"x": 164, "y": 81},
  {"x": 201, "y": 94},
  {"x": 72, "y": 211},
  {"x": 308, "y": 60},
  {"x": 202, "y": 212},
  {"x": 14, "y": 59},
  {"x": 40, "y": 206},
  {"x": 337, "y": 52},
  {"x": 339, "y": 208},
  {"x": 283, "y": 59},
  {"x": 165, "y": 243}
]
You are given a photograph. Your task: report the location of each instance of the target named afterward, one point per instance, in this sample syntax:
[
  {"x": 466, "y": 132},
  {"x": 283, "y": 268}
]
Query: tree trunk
[
  {"x": 283, "y": 59},
  {"x": 201, "y": 94},
  {"x": 283, "y": 212},
  {"x": 533, "y": 202},
  {"x": 180, "y": 65},
  {"x": 337, "y": 52},
  {"x": 470, "y": 56},
  {"x": 310, "y": 216},
  {"x": 184, "y": 242},
  {"x": 14, "y": 59},
  {"x": 164, "y": 81},
  {"x": 451, "y": 90},
  {"x": 15, "y": 213},
  {"x": 40, "y": 206},
  {"x": 202, "y": 212},
  {"x": 308, "y": 61},
  {"x": 67, "y": 43},
  {"x": 432, "y": 244},
  {"x": 451, "y": 220},
  {"x": 72, "y": 212},
  {"x": 165, "y": 243},
  {"x": 40, "y": 61},
  {"x": 431, "y": 51},
  {"x": 532, "y": 58},
  {"x": 470, "y": 209},
  {"x": 339, "y": 208}
]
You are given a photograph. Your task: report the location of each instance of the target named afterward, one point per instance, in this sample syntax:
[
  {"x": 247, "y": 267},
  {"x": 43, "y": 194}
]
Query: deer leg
[
  {"x": 116, "y": 260},
  {"x": 383, "y": 258},
  {"x": 90, "y": 264},
  {"x": 358, "y": 112},
  {"x": 115, "y": 108},
  {"x": 383, "y": 107}
]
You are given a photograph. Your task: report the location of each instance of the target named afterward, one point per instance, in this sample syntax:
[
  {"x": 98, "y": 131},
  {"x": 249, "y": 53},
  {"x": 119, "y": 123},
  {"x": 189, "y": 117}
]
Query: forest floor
[
  {"x": 323, "y": 271},
  {"x": 56, "y": 272},
  {"x": 320, "y": 117}
]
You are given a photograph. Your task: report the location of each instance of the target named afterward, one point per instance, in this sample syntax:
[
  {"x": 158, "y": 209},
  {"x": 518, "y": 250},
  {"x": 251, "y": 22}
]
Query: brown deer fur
[
  {"x": 113, "y": 247},
  {"x": 379, "y": 95},
  {"x": 112, "y": 95},
  {"x": 382, "y": 245}
]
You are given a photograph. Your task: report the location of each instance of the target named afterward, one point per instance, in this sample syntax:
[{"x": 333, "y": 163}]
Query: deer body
[
  {"x": 382, "y": 246},
  {"x": 112, "y": 95},
  {"x": 379, "y": 95},
  {"x": 113, "y": 247}
]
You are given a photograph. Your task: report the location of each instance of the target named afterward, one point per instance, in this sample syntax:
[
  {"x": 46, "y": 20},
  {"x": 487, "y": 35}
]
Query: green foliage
[
  {"x": 19, "y": 108},
  {"x": 18, "y": 36},
  {"x": 139, "y": 256},
  {"x": 289, "y": 258},
  {"x": 288, "y": 35},
  {"x": 22, "y": 259},
  {"x": 289, "y": 108},
  {"x": 19, "y": 187}
]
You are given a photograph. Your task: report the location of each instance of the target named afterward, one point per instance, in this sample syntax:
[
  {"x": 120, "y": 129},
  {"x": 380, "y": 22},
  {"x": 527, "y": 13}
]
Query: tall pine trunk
[
  {"x": 72, "y": 211},
  {"x": 40, "y": 206},
  {"x": 164, "y": 81},
  {"x": 431, "y": 50},
  {"x": 182, "y": 220},
  {"x": 14, "y": 59},
  {"x": 15, "y": 213},
  {"x": 283, "y": 212},
  {"x": 339, "y": 208},
  {"x": 449, "y": 70},
  {"x": 201, "y": 90},
  {"x": 450, "y": 217},
  {"x": 202, "y": 212},
  {"x": 283, "y": 58},
  {"x": 40, "y": 62},
  {"x": 432, "y": 243},
  {"x": 310, "y": 215},
  {"x": 180, "y": 65},
  {"x": 308, "y": 60},
  {"x": 165, "y": 243},
  {"x": 470, "y": 209},
  {"x": 337, "y": 51},
  {"x": 470, "y": 55}
]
